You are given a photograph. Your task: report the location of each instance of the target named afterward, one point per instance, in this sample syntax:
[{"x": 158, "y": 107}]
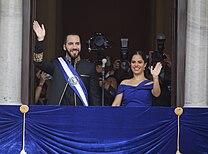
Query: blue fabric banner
[{"x": 113, "y": 130}]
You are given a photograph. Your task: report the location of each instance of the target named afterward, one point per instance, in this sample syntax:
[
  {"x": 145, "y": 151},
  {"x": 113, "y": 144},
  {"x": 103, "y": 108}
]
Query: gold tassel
[
  {"x": 179, "y": 112},
  {"x": 24, "y": 109}
]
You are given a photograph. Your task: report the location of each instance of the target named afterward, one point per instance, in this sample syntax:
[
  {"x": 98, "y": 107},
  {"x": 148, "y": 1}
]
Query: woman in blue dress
[{"x": 138, "y": 90}]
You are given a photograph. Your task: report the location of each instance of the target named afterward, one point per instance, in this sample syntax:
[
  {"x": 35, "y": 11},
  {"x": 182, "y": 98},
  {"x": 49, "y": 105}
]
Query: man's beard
[{"x": 73, "y": 56}]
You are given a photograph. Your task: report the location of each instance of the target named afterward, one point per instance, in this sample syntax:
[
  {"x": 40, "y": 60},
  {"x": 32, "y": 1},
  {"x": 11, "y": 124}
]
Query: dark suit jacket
[{"x": 87, "y": 72}]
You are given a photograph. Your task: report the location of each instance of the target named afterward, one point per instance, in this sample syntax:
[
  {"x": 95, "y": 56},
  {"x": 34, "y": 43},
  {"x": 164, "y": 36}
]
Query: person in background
[
  {"x": 164, "y": 79},
  {"x": 138, "y": 90},
  {"x": 74, "y": 79},
  {"x": 41, "y": 88},
  {"x": 118, "y": 72},
  {"x": 110, "y": 85}
]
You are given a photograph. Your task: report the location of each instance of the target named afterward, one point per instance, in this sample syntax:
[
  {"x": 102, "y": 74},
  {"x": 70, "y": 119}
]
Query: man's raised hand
[{"x": 39, "y": 30}]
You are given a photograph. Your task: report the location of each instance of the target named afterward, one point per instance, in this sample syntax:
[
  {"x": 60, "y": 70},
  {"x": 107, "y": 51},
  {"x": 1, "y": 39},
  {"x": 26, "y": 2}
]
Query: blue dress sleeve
[{"x": 121, "y": 88}]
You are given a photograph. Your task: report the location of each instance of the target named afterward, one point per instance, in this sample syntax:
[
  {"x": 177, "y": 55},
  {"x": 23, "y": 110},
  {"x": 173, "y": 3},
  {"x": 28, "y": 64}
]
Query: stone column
[
  {"x": 196, "y": 81},
  {"x": 10, "y": 51}
]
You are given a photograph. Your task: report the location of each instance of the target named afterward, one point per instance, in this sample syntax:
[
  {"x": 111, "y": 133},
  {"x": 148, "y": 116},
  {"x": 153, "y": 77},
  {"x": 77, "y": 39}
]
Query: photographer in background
[
  {"x": 118, "y": 72},
  {"x": 41, "y": 87},
  {"x": 121, "y": 67},
  {"x": 165, "y": 75},
  {"x": 110, "y": 84}
]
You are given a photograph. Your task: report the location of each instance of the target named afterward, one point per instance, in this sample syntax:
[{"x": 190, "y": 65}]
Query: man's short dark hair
[{"x": 71, "y": 33}]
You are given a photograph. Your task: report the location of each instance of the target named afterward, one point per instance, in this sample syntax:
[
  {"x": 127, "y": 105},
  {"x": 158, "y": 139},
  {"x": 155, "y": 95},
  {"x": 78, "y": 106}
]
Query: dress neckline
[{"x": 142, "y": 82}]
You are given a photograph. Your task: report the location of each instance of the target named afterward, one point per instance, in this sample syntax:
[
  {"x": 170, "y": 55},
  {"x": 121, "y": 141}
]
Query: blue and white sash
[{"x": 73, "y": 79}]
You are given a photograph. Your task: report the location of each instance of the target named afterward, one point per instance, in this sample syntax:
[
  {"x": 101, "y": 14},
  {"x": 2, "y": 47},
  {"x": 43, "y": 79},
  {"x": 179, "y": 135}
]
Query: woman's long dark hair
[{"x": 141, "y": 53}]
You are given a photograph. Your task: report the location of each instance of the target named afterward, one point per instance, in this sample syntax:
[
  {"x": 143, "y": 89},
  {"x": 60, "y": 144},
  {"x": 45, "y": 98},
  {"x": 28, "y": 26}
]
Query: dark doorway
[{"x": 114, "y": 18}]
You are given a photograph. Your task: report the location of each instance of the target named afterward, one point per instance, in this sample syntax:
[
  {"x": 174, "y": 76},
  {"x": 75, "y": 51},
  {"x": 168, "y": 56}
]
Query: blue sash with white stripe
[{"x": 73, "y": 79}]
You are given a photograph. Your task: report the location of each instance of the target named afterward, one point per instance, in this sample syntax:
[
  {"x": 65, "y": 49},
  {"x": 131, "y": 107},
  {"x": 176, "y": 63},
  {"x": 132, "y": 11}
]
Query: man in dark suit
[{"x": 74, "y": 79}]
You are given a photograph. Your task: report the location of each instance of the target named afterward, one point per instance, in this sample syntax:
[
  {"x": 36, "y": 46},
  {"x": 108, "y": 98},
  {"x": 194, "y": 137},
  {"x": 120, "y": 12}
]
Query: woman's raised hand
[{"x": 156, "y": 71}]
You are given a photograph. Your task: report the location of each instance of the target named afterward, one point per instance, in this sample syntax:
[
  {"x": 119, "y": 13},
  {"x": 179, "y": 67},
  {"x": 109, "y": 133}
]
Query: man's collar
[{"x": 76, "y": 60}]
